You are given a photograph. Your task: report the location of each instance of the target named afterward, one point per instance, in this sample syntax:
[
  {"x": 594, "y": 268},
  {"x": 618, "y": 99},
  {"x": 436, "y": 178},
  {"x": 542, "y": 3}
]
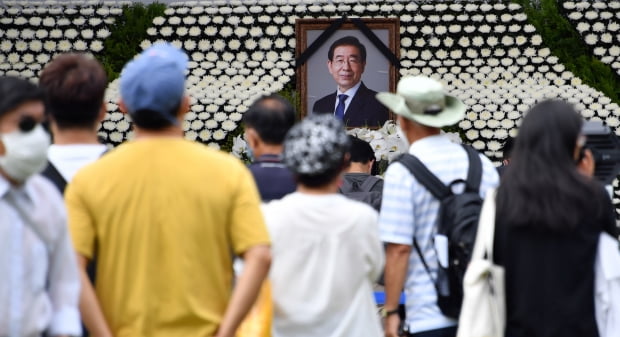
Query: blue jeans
[{"x": 443, "y": 332}]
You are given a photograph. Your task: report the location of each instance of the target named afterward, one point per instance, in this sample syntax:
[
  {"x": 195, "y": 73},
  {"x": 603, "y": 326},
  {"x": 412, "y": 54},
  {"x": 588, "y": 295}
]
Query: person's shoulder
[
  {"x": 366, "y": 90},
  {"x": 324, "y": 102}
]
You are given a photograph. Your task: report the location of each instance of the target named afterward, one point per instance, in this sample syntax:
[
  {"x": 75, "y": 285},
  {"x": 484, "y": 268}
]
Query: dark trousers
[{"x": 443, "y": 332}]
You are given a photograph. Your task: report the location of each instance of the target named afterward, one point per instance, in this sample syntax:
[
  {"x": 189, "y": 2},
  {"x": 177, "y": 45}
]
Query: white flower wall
[
  {"x": 598, "y": 22},
  {"x": 486, "y": 54}
]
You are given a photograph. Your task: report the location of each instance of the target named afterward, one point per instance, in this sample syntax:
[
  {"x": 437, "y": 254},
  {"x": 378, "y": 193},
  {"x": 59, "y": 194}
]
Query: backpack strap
[
  {"x": 369, "y": 184},
  {"x": 424, "y": 176},
  {"x": 474, "y": 173},
  {"x": 52, "y": 173}
]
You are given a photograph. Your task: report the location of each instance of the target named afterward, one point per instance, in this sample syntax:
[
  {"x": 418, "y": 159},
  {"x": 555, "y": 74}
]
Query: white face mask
[
  {"x": 402, "y": 136},
  {"x": 25, "y": 152}
]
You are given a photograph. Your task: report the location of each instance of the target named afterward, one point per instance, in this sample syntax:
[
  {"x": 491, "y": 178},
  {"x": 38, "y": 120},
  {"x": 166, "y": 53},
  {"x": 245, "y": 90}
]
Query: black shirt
[
  {"x": 273, "y": 179},
  {"x": 550, "y": 275}
]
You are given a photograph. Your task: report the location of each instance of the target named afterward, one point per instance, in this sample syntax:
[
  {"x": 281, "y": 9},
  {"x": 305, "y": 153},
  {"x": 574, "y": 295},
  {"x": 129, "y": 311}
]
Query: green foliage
[
  {"x": 126, "y": 35},
  {"x": 566, "y": 43}
]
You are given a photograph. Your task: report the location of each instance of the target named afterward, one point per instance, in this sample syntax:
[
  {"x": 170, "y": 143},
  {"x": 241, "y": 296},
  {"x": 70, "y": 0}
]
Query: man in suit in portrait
[{"x": 352, "y": 102}]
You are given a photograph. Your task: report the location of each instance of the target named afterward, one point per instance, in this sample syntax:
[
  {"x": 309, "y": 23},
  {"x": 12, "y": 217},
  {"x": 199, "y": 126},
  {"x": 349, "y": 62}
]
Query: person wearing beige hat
[{"x": 409, "y": 210}]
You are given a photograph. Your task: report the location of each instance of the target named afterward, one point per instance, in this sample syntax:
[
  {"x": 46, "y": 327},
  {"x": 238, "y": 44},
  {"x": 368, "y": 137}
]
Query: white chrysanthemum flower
[
  {"x": 591, "y": 39},
  {"x": 591, "y": 15},
  {"x": 189, "y": 20},
  {"x": 158, "y": 21},
  {"x": 599, "y": 51},
  {"x": 92, "y": 21},
  {"x": 613, "y": 26},
  {"x": 166, "y": 31},
  {"x": 477, "y": 41},
  {"x": 27, "y": 58},
  {"x": 96, "y": 46},
  {"x": 103, "y": 33},
  {"x": 203, "y": 20},
  {"x": 434, "y": 42},
  {"x": 426, "y": 30},
  {"x": 575, "y": 16},
  {"x": 536, "y": 40},
  {"x": 182, "y": 31},
  {"x": 64, "y": 45},
  {"x": 218, "y": 20},
  {"x": 529, "y": 28},
  {"x": 80, "y": 45},
  {"x": 211, "y": 124},
  {"x": 454, "y": 29},
  {"x": 606, "y": 38},
  {"x": 441, "y": 30}
]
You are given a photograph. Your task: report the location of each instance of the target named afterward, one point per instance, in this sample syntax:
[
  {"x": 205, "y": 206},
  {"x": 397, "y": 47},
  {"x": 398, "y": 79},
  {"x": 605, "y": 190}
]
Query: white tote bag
[{"x": 483, "y": 313}]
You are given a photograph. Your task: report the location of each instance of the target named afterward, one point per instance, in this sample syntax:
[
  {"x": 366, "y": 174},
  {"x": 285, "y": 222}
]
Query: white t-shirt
[
  {"x": 68, "y": 159},
  {"x": 326, "y": 256}
]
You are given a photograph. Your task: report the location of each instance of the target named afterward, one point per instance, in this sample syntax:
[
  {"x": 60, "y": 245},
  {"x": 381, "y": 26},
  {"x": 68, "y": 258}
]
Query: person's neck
[
  {"x": 168, "y": 132},
  {"x": 75, "y": 136},
  {"x": 358, "y": 168},
  {"x": 421, "y": 133},
  {"x": 329, "y": 188},
  {"x": 11, "y": 181},
  {"x": 264, "y": 149}
]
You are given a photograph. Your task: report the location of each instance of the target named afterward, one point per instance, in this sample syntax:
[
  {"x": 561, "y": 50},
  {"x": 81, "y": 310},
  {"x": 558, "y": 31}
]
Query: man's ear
[
  {"x": 251, "y": 137},
  {"x": 183, "y": 107},
  {"x": 102, "y": 112},
  {"x": 122, "y": 107}
]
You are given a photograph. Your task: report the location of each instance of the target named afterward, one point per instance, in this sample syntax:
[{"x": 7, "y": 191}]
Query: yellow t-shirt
[{"x": 163, "y": 217}]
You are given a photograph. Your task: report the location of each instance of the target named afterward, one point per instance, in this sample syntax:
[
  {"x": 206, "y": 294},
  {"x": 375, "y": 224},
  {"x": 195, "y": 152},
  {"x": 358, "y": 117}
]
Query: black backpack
[
  {"x": 363, "y": 192},
  {"x": 458, "y": 222}
]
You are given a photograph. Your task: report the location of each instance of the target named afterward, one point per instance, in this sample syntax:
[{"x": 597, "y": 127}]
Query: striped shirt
[{"x": 408, "y": 209}]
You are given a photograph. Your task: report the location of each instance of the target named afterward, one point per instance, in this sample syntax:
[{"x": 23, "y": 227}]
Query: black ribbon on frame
[
  {"x": 376, "y": 41},
  {"x": 319, "y": 41},
  {"x": 327, "y": 33}
]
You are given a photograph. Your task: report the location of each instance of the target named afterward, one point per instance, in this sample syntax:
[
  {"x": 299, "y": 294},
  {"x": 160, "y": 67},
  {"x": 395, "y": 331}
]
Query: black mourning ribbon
[{"x": 333, "y": 28}]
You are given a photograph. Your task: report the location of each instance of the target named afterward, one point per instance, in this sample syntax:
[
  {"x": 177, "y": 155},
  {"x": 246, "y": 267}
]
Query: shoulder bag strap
[
  {"x": 52, "y": 173},
  {"x": 483, "y": 248},
  {"x": 369, "y": 183},
  {"x": 28, "y": 220}
]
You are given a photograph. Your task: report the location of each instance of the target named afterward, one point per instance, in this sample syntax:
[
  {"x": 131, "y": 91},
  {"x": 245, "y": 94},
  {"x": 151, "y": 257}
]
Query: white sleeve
[
  {"x": 64, "y": 286},
  {"x": 375, "y": 246}
]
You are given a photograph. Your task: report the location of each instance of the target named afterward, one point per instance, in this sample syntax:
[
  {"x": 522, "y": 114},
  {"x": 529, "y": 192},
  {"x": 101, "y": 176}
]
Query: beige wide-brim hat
[{"x": 423, "y": 100}]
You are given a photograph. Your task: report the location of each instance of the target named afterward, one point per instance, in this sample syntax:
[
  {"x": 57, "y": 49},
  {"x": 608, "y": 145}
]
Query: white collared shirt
[
  {"x": 40, "y": 281},
  {"x": 350, "y": 93},
  {"x": 68, "y": 159}
]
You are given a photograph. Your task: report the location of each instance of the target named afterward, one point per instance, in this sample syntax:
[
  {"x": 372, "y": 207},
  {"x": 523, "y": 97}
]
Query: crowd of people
[{"x": 140, "y": 240}]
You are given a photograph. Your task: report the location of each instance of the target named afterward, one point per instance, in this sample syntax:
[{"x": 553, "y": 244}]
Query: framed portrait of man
[{"x": 343, "y": 72}]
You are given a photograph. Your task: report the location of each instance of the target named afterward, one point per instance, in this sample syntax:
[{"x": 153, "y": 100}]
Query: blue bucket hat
[{"x": 155, "y": 81}]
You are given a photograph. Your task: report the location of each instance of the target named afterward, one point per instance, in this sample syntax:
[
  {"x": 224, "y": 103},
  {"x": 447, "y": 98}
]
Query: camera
[{"x": 605, "y": 147}]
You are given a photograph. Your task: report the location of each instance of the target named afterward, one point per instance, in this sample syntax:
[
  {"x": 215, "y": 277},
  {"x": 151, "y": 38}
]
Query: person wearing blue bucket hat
[{"x": 165, "y": 216}]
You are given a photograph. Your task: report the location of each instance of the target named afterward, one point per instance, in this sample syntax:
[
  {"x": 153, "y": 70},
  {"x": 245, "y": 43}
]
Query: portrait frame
[{"x": 381, "y": 38}]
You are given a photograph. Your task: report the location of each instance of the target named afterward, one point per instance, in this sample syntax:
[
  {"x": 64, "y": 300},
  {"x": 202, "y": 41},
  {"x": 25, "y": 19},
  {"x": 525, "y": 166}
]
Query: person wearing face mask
[{"x": 40, "y": 288}]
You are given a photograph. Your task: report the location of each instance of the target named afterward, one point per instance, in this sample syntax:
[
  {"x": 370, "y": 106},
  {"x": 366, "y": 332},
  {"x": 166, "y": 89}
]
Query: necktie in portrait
[{"x": 340, "y": 108}]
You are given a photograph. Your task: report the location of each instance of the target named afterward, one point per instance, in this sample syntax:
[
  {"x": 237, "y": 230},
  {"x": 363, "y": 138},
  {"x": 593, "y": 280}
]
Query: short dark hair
[
  {"x": 16, "y": 91},
  {"x": 271, "y": 116},
  {"x": 347, "y": 41},
  {"x": 321, "y": 179},
  {"x": 74, "y": 86},
  {"x": 361, "y": 151},
  {"x": 507, "y": 148}
]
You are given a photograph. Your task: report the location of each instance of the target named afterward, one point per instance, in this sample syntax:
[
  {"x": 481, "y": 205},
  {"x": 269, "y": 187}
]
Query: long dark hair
[{"x": 541, "y": 187}]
